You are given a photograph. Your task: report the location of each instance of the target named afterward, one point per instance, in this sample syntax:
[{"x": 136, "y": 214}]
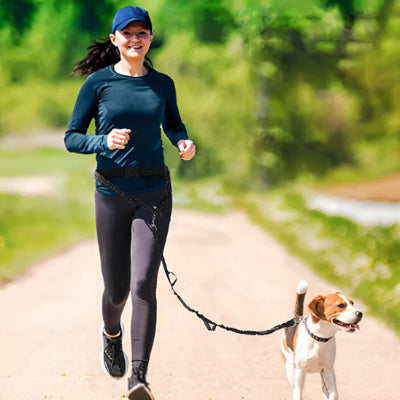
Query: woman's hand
[
  {"x": 118, "y": 138},
  {"x": 187, "y": 149}
]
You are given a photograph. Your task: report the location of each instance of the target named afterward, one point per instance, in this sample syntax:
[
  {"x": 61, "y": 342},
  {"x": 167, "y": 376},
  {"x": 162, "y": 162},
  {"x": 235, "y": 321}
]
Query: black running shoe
[
  {"x": 138, "y": 388},
  {"x": 113, "y": 359}
]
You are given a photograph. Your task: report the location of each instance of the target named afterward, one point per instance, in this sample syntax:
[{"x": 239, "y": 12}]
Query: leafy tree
[
  {"x": 48, "y": 36},
  {"x": 307, "y": 105},
  {"x": 209, "y": 20},
  {"x": 17, "y": 14}
]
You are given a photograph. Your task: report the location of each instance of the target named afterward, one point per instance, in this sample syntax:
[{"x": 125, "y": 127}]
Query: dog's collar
[{"x": 315, "y": 337}]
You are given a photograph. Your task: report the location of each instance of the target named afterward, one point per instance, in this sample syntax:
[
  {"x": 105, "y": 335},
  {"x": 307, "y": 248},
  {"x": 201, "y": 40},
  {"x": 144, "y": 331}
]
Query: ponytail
[{"x": 101, "y": 54}]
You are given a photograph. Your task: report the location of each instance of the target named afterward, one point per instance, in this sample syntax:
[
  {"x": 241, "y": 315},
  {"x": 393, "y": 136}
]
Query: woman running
[{"x": 129, "y": 101}]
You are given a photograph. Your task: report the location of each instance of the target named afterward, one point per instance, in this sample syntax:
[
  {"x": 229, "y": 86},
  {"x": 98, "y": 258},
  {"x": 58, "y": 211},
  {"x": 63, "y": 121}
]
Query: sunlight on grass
[{"x": 32, "y": 228}]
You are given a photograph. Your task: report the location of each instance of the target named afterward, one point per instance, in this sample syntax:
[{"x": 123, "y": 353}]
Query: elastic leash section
[{"x": 171, "y": 276}]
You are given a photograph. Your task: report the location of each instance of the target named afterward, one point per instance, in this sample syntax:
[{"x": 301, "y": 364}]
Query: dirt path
[
  {"x": 383, "y": 189},
  {"x": 231, "y": 271}
]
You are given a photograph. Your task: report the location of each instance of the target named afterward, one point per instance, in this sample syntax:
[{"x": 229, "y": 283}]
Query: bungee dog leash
[{"x": 102, "y": 175}]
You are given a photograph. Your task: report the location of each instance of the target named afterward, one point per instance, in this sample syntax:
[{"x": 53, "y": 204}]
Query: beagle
[{"x": 309, "y": 346}]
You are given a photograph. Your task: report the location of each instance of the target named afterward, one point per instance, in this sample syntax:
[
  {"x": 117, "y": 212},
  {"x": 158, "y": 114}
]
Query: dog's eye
[{"x": 341, "y": 305}]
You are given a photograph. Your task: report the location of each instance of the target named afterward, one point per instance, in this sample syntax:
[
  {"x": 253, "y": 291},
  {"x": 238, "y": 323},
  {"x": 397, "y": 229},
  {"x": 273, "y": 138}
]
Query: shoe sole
[
  {"x": 140, "y": 392},
  {"x": 103, "y": 366}
]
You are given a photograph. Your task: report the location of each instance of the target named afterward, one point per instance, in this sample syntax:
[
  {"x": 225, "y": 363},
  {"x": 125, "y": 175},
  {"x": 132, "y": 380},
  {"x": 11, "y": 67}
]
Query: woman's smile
[{"x": 135, "y": 47}]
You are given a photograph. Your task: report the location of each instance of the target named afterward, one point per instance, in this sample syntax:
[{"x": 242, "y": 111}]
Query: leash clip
[{"x": 153, "y": 225}]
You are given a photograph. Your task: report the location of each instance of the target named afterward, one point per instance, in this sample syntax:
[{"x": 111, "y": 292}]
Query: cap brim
[{"x": 126, "y": 22}]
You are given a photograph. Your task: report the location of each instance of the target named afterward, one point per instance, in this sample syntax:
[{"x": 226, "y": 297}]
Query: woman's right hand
[{"x": 118, "y": 138}]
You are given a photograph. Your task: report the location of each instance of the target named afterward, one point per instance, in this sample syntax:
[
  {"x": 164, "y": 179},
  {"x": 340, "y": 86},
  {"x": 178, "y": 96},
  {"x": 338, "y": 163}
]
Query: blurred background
[{"x": 286, "y": 100}]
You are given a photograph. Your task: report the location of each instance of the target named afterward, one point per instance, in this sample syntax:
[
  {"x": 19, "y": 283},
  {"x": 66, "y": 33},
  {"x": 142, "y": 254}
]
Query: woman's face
[{"x": 133, "y": 41}]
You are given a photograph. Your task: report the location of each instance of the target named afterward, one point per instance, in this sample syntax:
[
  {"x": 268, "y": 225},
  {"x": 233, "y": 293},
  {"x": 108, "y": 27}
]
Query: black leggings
[{"x": 130, "y": 264}]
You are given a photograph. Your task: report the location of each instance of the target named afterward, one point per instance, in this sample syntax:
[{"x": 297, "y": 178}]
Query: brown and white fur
[{"x": 306, "y": 348}]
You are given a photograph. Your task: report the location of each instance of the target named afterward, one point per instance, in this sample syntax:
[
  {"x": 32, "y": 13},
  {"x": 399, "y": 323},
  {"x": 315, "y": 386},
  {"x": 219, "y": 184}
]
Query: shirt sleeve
[
  {"x": 76, "y": 140},
  {"x": 172, "y": 123}
]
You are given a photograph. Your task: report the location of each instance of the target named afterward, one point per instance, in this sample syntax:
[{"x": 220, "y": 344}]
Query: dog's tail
[{"x": 302, "y": 287}]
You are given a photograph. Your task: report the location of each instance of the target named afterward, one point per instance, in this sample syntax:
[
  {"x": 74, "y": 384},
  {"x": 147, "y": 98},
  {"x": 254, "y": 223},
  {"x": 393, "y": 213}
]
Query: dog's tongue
[{"x": 355, "y": 326}]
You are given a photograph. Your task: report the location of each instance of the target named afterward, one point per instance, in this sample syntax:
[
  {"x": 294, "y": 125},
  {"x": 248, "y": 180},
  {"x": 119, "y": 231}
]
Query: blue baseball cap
[{"x": 126, "y": 15}]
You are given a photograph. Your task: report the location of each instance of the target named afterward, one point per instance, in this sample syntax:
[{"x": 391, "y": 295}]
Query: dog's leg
[
  {"x": 288, "y": 356},
  {"x": 329, "y": 384},
  {"x": 289, "y": 366},
  {"x": 299, "y": 377}
]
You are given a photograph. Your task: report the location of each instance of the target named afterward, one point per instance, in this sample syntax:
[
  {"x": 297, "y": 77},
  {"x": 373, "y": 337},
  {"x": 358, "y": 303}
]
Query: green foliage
[
  {"x": 210, "y": 21},
  {"x": 50, "y": 229},
  {"x": 34, "y": 227},
  {"x": 216, "y": 106},
  {"x": 18, "y": 14},
  {"x": 48, "y": 37},
  {"x": 308, "y": 59},
  {"x": 271, "y": 91},
  {"x": 36, "y": 105},
  {"x": 213, "y": 22}
]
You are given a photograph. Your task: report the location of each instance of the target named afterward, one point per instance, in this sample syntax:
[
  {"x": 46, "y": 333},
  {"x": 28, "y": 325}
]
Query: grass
[
  {"x": 363, "y": 260},
  {"x": 51, "y": 108},
  {"x": 374, "y": 159},
  {"x": 32, "y": 228}
]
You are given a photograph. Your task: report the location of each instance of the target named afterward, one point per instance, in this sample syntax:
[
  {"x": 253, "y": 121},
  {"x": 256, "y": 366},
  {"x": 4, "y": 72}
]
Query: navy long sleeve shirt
[{"x": 141, "y": 104}]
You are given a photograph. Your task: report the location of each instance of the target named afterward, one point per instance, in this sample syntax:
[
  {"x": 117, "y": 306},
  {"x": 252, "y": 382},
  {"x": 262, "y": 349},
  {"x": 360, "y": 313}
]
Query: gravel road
[{"x": 230, "y": 270}]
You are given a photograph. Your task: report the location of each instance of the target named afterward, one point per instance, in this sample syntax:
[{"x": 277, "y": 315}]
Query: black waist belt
[{"x": 133, "y": 172}]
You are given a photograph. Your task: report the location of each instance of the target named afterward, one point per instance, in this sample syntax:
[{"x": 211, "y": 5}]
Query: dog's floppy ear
[{"x": 316, "y": 308}]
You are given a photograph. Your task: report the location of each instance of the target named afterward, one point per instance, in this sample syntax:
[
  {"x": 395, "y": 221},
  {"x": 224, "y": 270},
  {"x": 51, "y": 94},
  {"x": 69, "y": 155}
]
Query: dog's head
[{"x": 337, "y": 309}]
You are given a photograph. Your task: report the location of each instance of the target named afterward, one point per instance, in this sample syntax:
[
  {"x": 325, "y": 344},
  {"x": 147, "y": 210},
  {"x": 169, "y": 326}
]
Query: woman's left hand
[{"x": 187, "y": 149}]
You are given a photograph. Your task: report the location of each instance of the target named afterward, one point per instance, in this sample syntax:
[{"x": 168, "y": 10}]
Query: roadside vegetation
[
  {"x": 35, "y": 227},
  {"x": 365, "y": 261}
]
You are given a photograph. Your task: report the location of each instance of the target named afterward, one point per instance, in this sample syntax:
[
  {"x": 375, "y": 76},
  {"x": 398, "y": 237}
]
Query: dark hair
[{"x": 101, "y": 54}]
